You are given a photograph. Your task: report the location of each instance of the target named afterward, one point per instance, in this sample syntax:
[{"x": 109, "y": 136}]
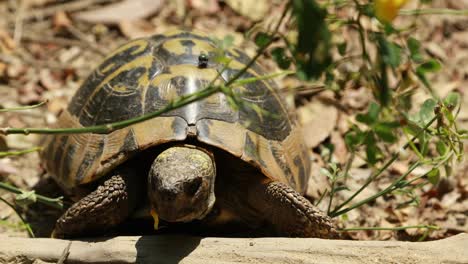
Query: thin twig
[
  {"x": 9, "y": 59},
  {"x": 178, "y": 102},
  {"x": 20, "y": 108},
  {"x": 65, "y": 7},
  {"x": 25, "y": 224},
  {"x": 434, "y": 11},
  {"x": 52, "y": 202},
  {"x": 4, "y": 154},
  {"x": 32, "y": 37},
  {"x": 387, "y": 190},
  {"x": 396, "y": 228},
  {"x": 382, "y": 169},
  {"x": 65, "y": 253},
  {"x": 19, "y": 22},
  {"x": 85, "y": 39}
]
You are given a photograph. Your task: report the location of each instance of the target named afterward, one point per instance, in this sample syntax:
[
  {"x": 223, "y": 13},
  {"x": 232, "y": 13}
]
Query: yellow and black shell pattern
[{"x": 145, "y": 75}]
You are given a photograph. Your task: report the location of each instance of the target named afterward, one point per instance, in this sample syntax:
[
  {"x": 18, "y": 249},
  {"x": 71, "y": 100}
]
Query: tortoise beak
[{"x": 155, "y": 216}]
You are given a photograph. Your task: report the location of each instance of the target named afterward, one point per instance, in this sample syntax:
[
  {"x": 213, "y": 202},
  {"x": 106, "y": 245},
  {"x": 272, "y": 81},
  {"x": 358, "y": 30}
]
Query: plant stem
[
  {"x": 397, "y": 228},
  {"x": 331, "y": 195},
  {"x": 20, "y": 108},
  {"x": 4, "y": 154},
  {"x": 245, "y": 81},
  {"x": 433, "y": 11},
  {"x": 179, "y": 102},
  {"x": 26, "y": 225},
  {"x": 107, "y": 128},
  {"x": 384, "y": 167},
  {"x": 260, "y": 50},
  {"x": 387, "y": 190},
  {"x": 52, "y": 202}
]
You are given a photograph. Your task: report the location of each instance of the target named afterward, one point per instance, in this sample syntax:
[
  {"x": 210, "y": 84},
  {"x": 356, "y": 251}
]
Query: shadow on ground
[{"x": 166, "y": 249}]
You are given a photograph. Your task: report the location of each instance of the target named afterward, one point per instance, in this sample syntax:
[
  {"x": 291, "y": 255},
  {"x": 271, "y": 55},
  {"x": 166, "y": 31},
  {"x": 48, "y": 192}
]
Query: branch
[{"x": 175, "y": 249}]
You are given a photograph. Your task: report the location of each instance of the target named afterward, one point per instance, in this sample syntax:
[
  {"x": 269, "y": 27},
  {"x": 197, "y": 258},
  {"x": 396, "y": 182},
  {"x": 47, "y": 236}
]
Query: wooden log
[{"x": 174, "y": 249}]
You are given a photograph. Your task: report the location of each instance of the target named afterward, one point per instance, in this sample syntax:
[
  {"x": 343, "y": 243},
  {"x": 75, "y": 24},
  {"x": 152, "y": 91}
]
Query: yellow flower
[{"x": 387, "y": 10}]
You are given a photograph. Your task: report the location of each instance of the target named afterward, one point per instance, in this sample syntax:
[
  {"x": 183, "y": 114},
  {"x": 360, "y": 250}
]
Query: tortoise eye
[{"x": 192, "y": 187}]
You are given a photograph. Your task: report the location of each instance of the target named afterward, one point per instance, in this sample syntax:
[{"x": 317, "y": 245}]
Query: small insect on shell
[{"x": 202, "y": 61}]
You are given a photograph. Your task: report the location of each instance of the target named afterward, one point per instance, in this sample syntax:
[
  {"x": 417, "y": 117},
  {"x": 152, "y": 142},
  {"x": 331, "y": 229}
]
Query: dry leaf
[
  {"x": 61, "y": 20},
  {"x": 6, "y": 167},
  {"x": 357, "y": 98},
  {"x": 255, "y": 10},
  {"x": 341, "y": 152},
  {"x": 205, "y": 6},
  {"x": 48, "y": 80},
  {"x": 7, "y": 44},
  {"x": 318, "y": 121},
  {"x": 318, "y": 182},
  {"x": 120, "y": 11},
  {"x": 450, "y": 199},
  {"x": 136, "y": 28},
  {"x": 29, "y": 93},
  {"x": 66, "y": 55},
  {"x": 436, "y": 50}
]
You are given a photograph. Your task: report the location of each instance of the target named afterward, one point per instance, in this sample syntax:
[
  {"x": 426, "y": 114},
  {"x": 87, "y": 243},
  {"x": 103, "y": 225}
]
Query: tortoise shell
[{"x": 143, "y": 76}]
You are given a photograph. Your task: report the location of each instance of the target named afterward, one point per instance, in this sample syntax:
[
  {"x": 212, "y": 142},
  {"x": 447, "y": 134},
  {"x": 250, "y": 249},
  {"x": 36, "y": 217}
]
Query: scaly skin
[
  {"x": 181, "y": 183},
  {"x": 290, "y": 213},
  {"x": 107, "y": 206},
  {"x": 265, "y": 205}
]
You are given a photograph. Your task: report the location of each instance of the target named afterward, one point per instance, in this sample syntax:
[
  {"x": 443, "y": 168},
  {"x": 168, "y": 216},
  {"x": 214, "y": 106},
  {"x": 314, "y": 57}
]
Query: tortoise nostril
[{"x": 193, "y": 186}]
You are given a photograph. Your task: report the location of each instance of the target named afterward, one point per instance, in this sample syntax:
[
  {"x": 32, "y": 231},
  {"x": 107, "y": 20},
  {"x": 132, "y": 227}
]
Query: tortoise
[{"x": 206, "y": 161}]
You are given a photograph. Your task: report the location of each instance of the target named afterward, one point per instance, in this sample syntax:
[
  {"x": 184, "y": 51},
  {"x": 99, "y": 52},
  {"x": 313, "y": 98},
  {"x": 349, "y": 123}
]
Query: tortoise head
[{"x": 181, "y": 184}]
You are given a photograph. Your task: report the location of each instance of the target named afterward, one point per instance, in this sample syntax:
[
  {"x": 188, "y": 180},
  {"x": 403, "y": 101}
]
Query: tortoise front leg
[
  {"x": 288, "y": 212},
  {"x": 107, "y": 206}
]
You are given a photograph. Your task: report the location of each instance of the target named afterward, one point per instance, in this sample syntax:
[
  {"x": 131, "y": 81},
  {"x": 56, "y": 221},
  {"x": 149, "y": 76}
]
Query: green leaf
[
  {"x": 441, "y": 148},
  {"x": 351, "y": 140},
  {"x": 371, "y": 116},
  {"x": 414, "y": 47},
  {"x": 333, "y": 166},
  {"x": 228, "y": 41},
  {"x": 262, "y": 39},
  {"x": 389, "y": 29},
  {"x": 367, "y": 9},
  {"x": 434, "y": 176},
  {"x": 429, "y": 66},
  {"x": 26, "y": 198},
  {"x": 371, "y": 148},
  {"x": 452, "y": 99},
  {"x": 422, "y": 77},
  {"x": 374, "y": 111},
  {"x": 426, "y": 113},
  {"x": 326, "y": 173},
  {"x": 340, "y": 188},
  {"x": 280, "y": 57},
  {"x": 389, "y": 51},
  {"x": 401, "y": 184},
  {"x": 344, "y": 217},
  {"x": 423, "y": 143},
  {"x": 342, "y": 48},
  {"x": 385, "y": 131},
  {"x": 413, "y": 128}
]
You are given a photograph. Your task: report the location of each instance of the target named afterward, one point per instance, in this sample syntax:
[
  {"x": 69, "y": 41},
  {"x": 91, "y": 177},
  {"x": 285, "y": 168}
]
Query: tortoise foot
[
  {"x": 100, "y": 210},
  {"x": 293, "y": 215}
]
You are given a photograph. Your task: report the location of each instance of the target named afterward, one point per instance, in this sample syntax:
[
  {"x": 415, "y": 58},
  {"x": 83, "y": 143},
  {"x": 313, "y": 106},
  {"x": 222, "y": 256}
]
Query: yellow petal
[
  {"x": 387, "y": 10},
  {"x": 156, "y": 218}
]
